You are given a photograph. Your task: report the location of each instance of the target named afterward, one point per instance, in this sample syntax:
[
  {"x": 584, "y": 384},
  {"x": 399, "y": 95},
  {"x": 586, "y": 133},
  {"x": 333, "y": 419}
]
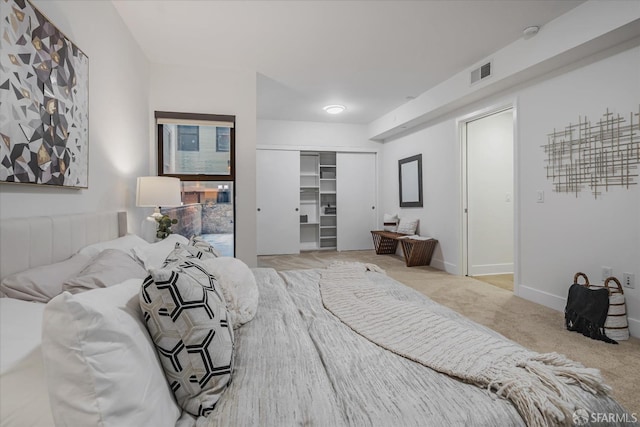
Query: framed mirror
[{"x": 410, "y": 179}]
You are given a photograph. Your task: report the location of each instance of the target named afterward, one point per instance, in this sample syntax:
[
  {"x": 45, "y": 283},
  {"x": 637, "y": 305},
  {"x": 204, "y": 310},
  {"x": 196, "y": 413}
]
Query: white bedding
[
  {"x": 295, "y": 364},
  {"x": 23, "y": 390},
  {"x": 20, "y": 329},
  {"x": 25, "y": 401}
]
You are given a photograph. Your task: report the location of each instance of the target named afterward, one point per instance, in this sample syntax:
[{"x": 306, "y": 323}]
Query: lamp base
[
  {"x": 156, "y": 214},
  {"x": 149, "y": 228}
]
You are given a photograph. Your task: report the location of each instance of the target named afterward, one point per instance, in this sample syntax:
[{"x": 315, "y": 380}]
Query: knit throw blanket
[{"x": 541, "y": 386}]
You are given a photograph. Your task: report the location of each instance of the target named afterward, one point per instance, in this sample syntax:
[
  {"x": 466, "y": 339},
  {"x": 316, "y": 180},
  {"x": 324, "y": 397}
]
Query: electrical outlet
[
  {"x": 606, "y": 273},
  {"x": 629, "y": 280}
]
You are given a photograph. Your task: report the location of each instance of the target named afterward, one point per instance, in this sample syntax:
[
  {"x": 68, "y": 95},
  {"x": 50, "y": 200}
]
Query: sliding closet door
[
  {"x": 278, "y": 201},
  {"x": 356, "y": 200}
]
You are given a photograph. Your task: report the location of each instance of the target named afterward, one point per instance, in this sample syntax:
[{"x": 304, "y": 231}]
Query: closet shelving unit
[
  {"x": 318, "y": 218},
  {"x": 328, "y": 208}
]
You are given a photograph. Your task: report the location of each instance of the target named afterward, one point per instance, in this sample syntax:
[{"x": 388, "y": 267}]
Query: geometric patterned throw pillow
[
  {"x": 187, "y": 320},
  {"x": 203, "y": 245},
  {"x": 184, "y": 252}
]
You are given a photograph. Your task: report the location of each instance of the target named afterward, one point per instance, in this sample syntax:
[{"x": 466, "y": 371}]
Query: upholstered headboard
[{"x": 32, "y": 242}]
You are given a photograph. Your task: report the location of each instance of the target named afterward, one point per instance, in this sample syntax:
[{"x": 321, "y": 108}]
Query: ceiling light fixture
[
  {"x": 530, "y": 31},
  {"x": 334, "y": 109}
]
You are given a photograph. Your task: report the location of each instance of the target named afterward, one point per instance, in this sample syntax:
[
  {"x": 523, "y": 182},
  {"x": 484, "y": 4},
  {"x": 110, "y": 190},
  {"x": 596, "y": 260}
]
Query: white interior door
[
  {"x": 356, "y": 200},
  {"x": 278, "y": 201},
  {"x": 490, "y": 212}
]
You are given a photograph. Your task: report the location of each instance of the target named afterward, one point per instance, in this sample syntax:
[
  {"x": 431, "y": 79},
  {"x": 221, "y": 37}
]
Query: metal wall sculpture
[
  {"x": 598, "y": 156},
  {"x": 44, "y": 101}
]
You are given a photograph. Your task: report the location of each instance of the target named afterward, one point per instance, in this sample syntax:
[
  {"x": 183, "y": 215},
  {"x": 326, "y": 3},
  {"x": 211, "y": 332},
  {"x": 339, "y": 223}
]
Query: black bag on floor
[{"x": 586, "y": 312}]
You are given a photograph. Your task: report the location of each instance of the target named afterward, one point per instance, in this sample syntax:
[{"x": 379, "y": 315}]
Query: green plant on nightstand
[{"x": 164, "y": 226}]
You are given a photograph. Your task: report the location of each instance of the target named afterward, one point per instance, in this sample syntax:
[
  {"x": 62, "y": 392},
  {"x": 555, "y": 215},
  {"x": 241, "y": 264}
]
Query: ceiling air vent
[{"x": 482, "y": 72}]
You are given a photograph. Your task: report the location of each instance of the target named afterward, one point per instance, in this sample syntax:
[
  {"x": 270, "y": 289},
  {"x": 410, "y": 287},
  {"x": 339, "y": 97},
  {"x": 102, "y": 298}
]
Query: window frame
[
  {"x": 197, "y": 117},
  {"x": 231, "y": 177}
]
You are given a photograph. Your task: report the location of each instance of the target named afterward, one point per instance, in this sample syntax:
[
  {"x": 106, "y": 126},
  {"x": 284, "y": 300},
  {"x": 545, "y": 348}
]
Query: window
[
  {"x": 222, "y": 139},
  {"x": 200, "y": 150},
  {"x": 194, "y": 146},
  {"x": 188, "y": 138}
]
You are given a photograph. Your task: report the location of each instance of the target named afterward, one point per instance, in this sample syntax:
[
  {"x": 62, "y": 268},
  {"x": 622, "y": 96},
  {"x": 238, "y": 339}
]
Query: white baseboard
[
  {"x": 486, "y": 269},
  {"x": 558, "y": 303},
  {"x": 541, "y": 297},
  {"x": 445, "y": 266},
  {"x": 634, "y": 327}
]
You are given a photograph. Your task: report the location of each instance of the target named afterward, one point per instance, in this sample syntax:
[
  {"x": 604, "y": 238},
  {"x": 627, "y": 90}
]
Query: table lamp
[{"x": 156, "y": 191}]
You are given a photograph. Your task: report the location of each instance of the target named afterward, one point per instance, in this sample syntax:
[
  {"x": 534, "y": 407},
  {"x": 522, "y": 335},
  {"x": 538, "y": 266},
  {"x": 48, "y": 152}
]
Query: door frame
[{"x": 461, "y": 126}]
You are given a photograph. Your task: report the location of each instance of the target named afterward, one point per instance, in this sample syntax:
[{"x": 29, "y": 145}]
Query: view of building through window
[{"x": 193, "y": 150}]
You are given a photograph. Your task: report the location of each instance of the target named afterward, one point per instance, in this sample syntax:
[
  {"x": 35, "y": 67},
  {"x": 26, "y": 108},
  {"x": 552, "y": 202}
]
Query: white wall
[
  {"x": 215, "y": 91},
  {"x": 440, "y": 188},
  {"x": 564, "y": 234},
  {"x": 118, "y": 114},
  {"x": 314, "y": 136}
]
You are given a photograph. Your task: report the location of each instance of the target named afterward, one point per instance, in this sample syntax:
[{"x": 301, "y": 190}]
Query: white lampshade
[{"x": 154, "y": 191}]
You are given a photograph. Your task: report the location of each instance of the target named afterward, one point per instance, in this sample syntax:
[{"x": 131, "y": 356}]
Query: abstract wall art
[
  {"x": 599, "y": 156},
  {"x": 44, "y": 101}
]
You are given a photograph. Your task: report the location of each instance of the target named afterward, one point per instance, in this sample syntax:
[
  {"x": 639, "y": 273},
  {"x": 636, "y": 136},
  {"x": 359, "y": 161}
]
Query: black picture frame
[{"x": 410, "y": 181}]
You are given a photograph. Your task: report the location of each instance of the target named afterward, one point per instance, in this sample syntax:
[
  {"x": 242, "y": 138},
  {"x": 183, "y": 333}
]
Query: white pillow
[
  {"x": 152, "y": 255},
  {"x": 42, "y": 283},
  {"x": 407, "y": 226},
  {"x": 238, "y": 287},
  {"x": 100, "y": 364},
  {"x": 110, "y": 267},
  {"x": 124, "y": 243},
  {"x": 390, "y": 222}
]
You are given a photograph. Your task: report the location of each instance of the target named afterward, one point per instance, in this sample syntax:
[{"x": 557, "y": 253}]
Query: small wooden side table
[
  {"x": 385, "y": 242},
  {"x": 418, "y": 251}
]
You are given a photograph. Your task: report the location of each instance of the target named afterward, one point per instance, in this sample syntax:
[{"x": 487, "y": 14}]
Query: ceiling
[{"x": 369, "y": 55}]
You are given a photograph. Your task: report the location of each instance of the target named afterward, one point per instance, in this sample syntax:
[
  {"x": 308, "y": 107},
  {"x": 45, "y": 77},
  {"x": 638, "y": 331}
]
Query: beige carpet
[
  {"x": 504, "y": 281},
  {"x": 531, "y": 325}
]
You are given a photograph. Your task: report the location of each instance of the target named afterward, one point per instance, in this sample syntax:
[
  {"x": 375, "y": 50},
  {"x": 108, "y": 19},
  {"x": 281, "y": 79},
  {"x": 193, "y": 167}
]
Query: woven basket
[
  {"x": 584, "y": 276},
  {"x": 616, "y": 326}
]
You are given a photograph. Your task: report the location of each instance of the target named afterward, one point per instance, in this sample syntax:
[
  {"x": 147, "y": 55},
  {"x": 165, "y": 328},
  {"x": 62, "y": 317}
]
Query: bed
[{"x": 89, "y": 354}]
